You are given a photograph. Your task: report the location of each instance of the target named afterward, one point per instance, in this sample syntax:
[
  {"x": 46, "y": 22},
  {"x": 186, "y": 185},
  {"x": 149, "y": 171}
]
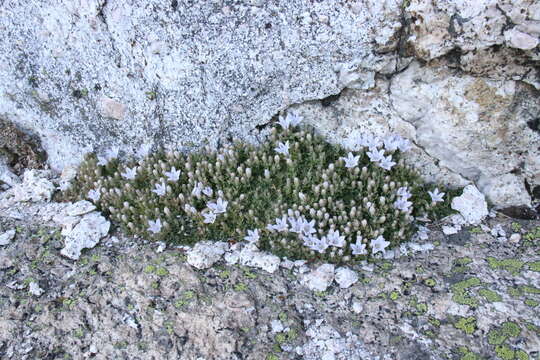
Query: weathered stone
[
  {"x": 345, "y": 277},
  {"x": 205, "y": 253},
  {"x": 6, "y": 237},
  {"x": 251, "y": 256},
  {"x": 112, "y": 109},
  {"x": 320, "y": 278},
  {"x": 520, "y": 40},
  {"x": 471, "y": 205},
  {"x": 80, "y": 208},
  {"x": 86, "y": 234}
]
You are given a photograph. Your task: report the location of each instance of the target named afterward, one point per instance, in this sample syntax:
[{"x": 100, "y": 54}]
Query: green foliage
[
  {"x": 468, "y": 324},
  {"x": 260, "y": 185}
]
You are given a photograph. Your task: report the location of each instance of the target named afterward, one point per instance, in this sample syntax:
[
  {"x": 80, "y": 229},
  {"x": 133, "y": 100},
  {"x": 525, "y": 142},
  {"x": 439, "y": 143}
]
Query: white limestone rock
[
  {"x": 250, "y": 255},
  {"x": 6, "y": 175},
  {"x": 206, "y": 253},
  {"x": 520, "y": 40},
  {"x": 84, "y": 235},
  {"x": 36, "y": 186},
  {"x": 507, "y": 189},
  {"x": 471, "y": 205},
  {"x": 6, "y": 237},
  {"x": 319, "y": 279},
  {"x": 80, "y": 208},
  {"x": 34, "y": 289},
  {"x": 345, "y": 277}
]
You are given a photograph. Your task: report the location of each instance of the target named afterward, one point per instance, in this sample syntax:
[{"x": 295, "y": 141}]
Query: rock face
[{"x": 99, "y": 74}]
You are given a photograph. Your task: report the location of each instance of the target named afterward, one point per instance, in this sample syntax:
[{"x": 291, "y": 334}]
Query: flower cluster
[{"x": 295, "y": 195}]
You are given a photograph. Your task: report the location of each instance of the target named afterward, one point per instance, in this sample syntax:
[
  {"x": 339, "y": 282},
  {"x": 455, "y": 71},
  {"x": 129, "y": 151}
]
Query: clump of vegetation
[{"x": 295, "y": 195}]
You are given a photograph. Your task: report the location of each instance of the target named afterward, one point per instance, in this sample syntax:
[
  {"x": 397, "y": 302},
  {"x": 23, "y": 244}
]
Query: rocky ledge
[{"x": 462, "y": 293}]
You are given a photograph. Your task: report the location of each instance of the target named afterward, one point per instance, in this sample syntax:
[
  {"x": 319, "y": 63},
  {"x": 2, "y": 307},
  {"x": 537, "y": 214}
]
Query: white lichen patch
[
  {"x": 85, "y": 234},
  {"x": 471, "y": 205},
  {"x": 206, "y": 253},
  {"x": 320, "y": 278},
  {"x": 6, "y": 237},
  {"x": 345, "y": 277}
]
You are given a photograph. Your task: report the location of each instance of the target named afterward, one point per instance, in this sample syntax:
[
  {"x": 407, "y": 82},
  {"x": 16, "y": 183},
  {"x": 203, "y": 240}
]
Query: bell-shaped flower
[
  {"x": 197, "y": 189},
  {"x": 351, "y": 161},
  {"x": 290, "y": 120},
  {"x": 209, "y": 217},
  {"x": 143, "y": 151},
  {"x": 387, "y": 163},
  {"x": 359, "y": 248},
  {"x": 154, "y": 226},
  {"x": 130, "y": 173},
  {"x": 207, "y": 190},
  {"x": 404, "y": 193},
  {"x": 402, "y": 204},
  {"x": 436, "y": 196},
  {"x": 190, "y": 209},
  {"x": 218, "y": 207},
  {"x": 282, "y": 148},
  {"x": 252, "y": 236},
  {"x": 334, "y": 239},
  {"x": 173, "y": 175},
  {"x": 375, "y": 155},
  {"x": 378, "y": 245},
  {"x": 160, "y": 189},
  {"x": 280, "y": 225}
]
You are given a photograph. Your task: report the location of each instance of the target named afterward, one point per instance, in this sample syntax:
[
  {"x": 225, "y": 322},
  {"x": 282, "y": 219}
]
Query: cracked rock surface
[
  {"x": 102, "y": 73},
  {"x": 471, "y": 294}
]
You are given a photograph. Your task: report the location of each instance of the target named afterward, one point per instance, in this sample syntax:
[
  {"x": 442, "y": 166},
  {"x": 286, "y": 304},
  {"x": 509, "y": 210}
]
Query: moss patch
[
  {"x": 466, "y": 324},
  {"x": 513, "y": 266}
]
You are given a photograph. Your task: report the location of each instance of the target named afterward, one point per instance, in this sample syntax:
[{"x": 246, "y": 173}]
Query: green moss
[
  {"x": 280, "y": 338},
  {"x": 508, "y": 329},
  {"x": 531, "y": 302},
  {"x": 534, "y": 266},
  {"x": 466, "y": 324},
  {"x": 460, "y": 293},
  {"x": 434, "y": 321},
  {"x": 527, "y": 289},
  {"x": 162, "y": 272},
  {"x": 476, "y": 230},
  {"x": 513, "y": 266},
  {"x": 430, "y": 282},
  {"x": 421, "y": 308},
  {"x": 513, "y": 291},
  {"x": 504, "y": 352},
  {"x": 394, "y": 295},
  {"x": 521, "y": 355},
  {"x": 149, "y": 269},
  {"x": 490, "y": 295},
  {"x": 240, "y": 287},
  {"x": 259, "y": 184},
  {"x": 272, "y": 357}
]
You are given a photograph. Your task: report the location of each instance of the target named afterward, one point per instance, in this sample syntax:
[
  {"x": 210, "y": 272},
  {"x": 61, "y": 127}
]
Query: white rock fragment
[
  {"x": 515, "y": 238},
  {"x": 251, "y": 256},
  {"x": 86, "y": 234},
  {"x": 161, "y": 247},
  {"x": 206, "y": 253},
  {"x": 520, "y": 40},
  {"x": 498, "y": 231},
  {"x": 471, "y": 205},
  {"x": 80, "y": 208},
  {"x": 111, "y": 108},
  {"x": 6, "y": 176},
  {"x": 35, "y": 187},
  {"x": 6, "y": 237},
  {"x": 14, "y": 285},
  {"x": 345, "y": 277},
  {"x": 276, "y": 326},
  {"x": 450, "y": 230},
  {"x": 287, "y": 264},
  {"x": 357, "y": 307},
  {"x": 320, "y": 278},
  {"x": 35, "y": 290}
]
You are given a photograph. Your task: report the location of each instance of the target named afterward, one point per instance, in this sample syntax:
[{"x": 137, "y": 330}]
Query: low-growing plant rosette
[{"x": 295, "y": 195}]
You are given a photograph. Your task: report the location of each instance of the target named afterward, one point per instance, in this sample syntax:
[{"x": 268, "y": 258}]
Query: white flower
[
  {"x": 404, "y": 145},
  {"x": 334, "y": 239},
  {"x": 370, "y": 141},
  {"x": 351, "y": 160},
  {"x": 197, "y": 189},
  {"x": 402, "y": 204},
  {"x": 209, "y": 217},
  {"x": 173, "y": 175},
  {"x": 290, "y": 120},
  {"x": 110, "y": 154},
  {"x": 253, "y": 236},
  {"x": 155, "y": 226},
  {"x": 160, "y": 189},
  {"x": 143, "y": 151},
  {"x": 320, "y": 245},
  {"x": 387, "y": 163},
  {"x": 297, "y": 225},
  {"x": 219, "y": 207},
  {"x": 130, "y": 173},
  {"x": 391, "y": 142},
  {"x": 283, "y": 148},
  {"x": 375, "y": 155},
  {"x": 208, "y": 191},
  {"x": 379, "y": 245},
  {"x": 404, "y": 193},
  {"x": 190, "y": 209},
  {"x": 94, "y": 195},
  {"x": 359, "y": 248},
  {"x": 281, "y": 224},
  {"x": 436, "y": 196},
  {"x": 308, "y": 228}
]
